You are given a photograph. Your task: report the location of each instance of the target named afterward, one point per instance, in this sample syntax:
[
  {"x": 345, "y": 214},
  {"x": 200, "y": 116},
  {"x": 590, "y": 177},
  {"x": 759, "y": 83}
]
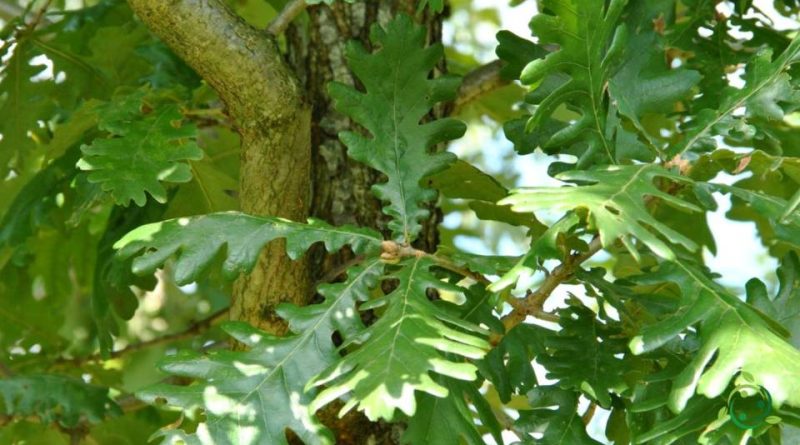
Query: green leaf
[
  {"x": 515, "y": 52},
  {"x": 734, "y": 338},
  {"x": 253, "y": 396},
  {"x": 399, "y": 93},
  {"x": 56, "y": 398},
  {"x": 143, "y": 150},
  {"x": 785, "y": 306},
  {"x": 615, "y": 203},
  {"x": 509, "y": 364},
  {"x": 549, "y": 245},
  {"x": 581, "y": 356},
  {"x": 22, "y": 103},
  {"x": 440, "y": 421},
  {"x": 554, "y": 416},
  {"x": 398, "y": 352},
  {"x": 770, "y": 210},
  {"x": 462, "y": 180},
  {"x": 196, "y": 241},
  {"x": 589, "y": 42},
  {"x": 644, "y": 83},
  {"x": 767, "y": 85}
]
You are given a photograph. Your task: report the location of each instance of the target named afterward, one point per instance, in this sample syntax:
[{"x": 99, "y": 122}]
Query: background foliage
[{"x": 603, "y": 322}]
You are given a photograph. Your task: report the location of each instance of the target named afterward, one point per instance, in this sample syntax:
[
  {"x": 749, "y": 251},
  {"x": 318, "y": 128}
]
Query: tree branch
[
  {"x": 476, "y": 83},
  {"x": 268, "y": 107},
  {"x": 533, "y": 302},
  {"x": 194, "y": 329},
  {"x": 285, "y": 17}
]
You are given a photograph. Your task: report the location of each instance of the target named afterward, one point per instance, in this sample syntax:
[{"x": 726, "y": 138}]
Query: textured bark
[
  {"x": 265, "y": 101},
  {"x": 341, "y": 186}
]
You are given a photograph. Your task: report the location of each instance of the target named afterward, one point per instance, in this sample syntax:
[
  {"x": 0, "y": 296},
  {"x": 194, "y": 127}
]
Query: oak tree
[{"x": 222, "y": 223}]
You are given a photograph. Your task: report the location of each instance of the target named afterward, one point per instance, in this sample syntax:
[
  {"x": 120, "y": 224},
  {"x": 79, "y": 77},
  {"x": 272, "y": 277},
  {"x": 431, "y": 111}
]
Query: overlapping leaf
[
  {"x": 615, "y": 201},
  {"x": 439, "y": 421},
  {"x": 251, "y": 397},
  {"x": 766, "y": 90},
  {"x": 734, "y": 338},
  {"x": 398, "y": 352},
  {"x": 399, "y": 94},
  {"x": 143, "y": 150},
  {"x": 582, "y": 355},
  {"x": 589, "y": 41},
  {"x": 196, "y": 241},
  {"x": 555, "y": 417},
  {"x": 776, "y": 227},
  {"x": 55, "y": 398},
  {"x": 785, "y": 306}
]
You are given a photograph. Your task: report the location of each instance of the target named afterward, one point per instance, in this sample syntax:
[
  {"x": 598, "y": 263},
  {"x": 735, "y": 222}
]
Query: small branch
[
  {"x": 191, "y": 331},
  {"x": 587, "y": 416},
  {"x": 286, "y": 16},
  {"x": 533, "y": 302},
  {"x": 393, "y": 251},
  {"x": 476, "y": 83}
]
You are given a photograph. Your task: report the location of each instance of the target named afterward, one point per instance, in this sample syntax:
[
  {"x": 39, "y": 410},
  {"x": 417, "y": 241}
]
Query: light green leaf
[
  {"x": 398, "y": 95},
  {"x": 251, "y": 397},
  {"x": 143, "y": 150},
  {"x": 398, "y": 352},
  {"x": 196, "y": 241},
  {"x": 734, "y": 338},
  {"x": 56, "y": 398},
  {"x": 615, "y": 200}
]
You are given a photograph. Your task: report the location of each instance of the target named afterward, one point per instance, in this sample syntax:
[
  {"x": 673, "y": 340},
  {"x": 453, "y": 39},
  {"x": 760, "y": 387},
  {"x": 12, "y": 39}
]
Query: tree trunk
[
  {"x": 292, "y": 162},
  {"x": 341, "y": 186}
]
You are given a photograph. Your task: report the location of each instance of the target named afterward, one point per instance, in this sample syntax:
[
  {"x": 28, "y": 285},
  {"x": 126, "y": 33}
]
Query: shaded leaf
[
  {"x": 55, "y": 398},
  {"x": 399, "y": 93},
  {"x": 251, "y": 397},
  {"x": 196, "y": 241}
]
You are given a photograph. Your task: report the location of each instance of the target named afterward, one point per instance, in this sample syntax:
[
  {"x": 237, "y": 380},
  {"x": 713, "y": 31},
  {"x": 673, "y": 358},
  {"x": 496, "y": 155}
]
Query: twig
[
  {"x": 285, "y": 17},
  {"x": 191, "y": 331},
  {"x": 336, "y": 271},
  {"x": 480, "y": 81},
  {"x": 534, "y": 301},
  {"x": 587, "y": 416},
  {"x": 392, "y": 251}
]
